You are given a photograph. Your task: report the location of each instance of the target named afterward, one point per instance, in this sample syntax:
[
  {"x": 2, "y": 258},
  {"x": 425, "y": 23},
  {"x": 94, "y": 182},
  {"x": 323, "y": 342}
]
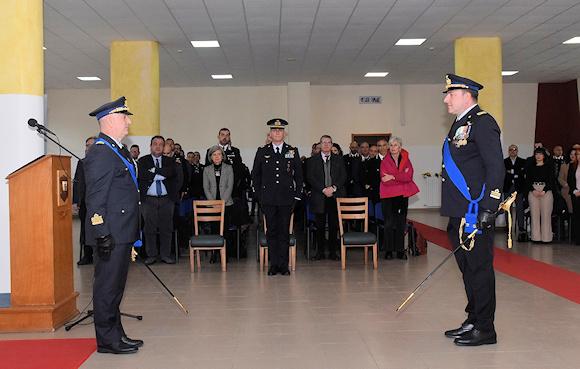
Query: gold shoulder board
[{"x": 481, "y": 112}]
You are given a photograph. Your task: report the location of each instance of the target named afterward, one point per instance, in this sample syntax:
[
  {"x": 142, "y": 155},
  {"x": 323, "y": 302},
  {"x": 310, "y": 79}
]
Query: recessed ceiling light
[
  {"x": 222, "y": 76},
  {"x": 376, "y": 74},
  {"x": 509, "y": 72},
  {"x": 410, "y": 41},
  {"x": 573, "y": 40},
  {"x": 211, "y": 43},
  {"x": 89, "y": 78}
]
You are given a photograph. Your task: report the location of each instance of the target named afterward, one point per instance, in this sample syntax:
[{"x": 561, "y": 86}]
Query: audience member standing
[
  {"x": 514, "y": 180},
  {"x": 396, "y": 187},
  {"x": 159, "y": 193},
  {"x": 352, "y": 162},
  {"x": 327, "y": 177},
  {"x": 563, "y": 179},
  {"x": 79, "y": 191},
  {"x": 135, "y": 152},
  {"x": 574, "y": 184},
  {"x": 541, "y": 182}
]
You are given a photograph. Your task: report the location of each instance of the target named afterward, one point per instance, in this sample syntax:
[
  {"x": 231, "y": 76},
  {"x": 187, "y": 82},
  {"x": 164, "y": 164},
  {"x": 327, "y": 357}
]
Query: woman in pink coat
[{"x": 396, "y": 187}]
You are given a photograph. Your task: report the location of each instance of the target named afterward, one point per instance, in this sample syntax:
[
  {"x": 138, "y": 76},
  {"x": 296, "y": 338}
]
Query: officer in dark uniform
[
  {"x": 112, "y": 223},
  {"x": 472, "y": 175},
  {"x": 277, "y": 179}
]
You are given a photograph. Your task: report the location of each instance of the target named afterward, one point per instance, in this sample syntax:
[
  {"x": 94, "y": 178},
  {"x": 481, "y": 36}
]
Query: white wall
[{"x": 192, "y": 116}]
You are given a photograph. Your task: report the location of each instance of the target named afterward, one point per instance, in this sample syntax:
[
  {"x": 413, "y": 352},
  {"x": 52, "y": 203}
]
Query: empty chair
[
  {"x": 355, "y": 208},
  {"x": 207, "y": 211}
]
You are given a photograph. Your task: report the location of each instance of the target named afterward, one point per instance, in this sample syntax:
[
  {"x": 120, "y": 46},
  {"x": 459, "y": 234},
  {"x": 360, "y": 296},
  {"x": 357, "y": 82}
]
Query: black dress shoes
[
  {"x": 168, "y": 260},
  {"x": 120, "y": 348},
  {"x": 272, "y": 270},
  {"x": 150, "y": 260},
  {"x": 388, "y": 255},
  {"x": 455, "y": 333},
  {"x": 85, "y": 261},
  {"x": 131, "y": 342},
  {"x": 333, "y": 257},
  {"x": 285, "y": 271},
  {"x": 475, "y": 337},
  {"x": 401, "y": 255}
]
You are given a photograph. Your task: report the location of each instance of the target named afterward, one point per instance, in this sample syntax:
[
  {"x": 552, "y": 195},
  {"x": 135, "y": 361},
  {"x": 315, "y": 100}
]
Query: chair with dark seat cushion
[
  {"x": 355, "y": 208},
  {"x": 207, "y": 211},
  {"x": 263, "y": 243}
]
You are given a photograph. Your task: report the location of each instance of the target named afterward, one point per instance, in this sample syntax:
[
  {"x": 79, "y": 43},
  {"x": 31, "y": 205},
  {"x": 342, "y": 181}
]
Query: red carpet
[
  {"x": 556, "y": 280},
  {"x": 46, "y": 354}
]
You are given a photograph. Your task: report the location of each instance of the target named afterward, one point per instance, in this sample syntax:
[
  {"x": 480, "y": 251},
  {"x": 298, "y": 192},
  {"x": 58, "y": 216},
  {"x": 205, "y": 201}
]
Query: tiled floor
[{"x": 323, "y": 317}]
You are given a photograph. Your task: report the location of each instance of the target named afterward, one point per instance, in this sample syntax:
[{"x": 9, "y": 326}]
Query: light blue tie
[{"x": 158, "y": 182}]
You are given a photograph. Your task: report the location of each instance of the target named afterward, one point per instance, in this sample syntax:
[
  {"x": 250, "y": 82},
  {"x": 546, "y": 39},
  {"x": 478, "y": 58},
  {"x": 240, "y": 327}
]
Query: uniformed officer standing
[
  {"x": 277, "y": 178},
  {"x": 112, "y": 223},
  {"x": 473, "y": 174}
]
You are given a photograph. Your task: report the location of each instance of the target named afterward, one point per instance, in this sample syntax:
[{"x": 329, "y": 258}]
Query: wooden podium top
[{"x": 38, "y": 161}]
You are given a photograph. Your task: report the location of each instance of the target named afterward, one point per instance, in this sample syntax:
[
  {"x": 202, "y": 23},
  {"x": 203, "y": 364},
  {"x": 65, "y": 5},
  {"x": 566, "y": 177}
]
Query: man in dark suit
[
  {"x": 515, "y": 173},
  {"x": 327, "y": 177},
  {"x": 112, "y": 223},
  {"x": 277, "y": 179},
  {"x": 159, "y": 193},
  {"x": 352, "y": 162},
  {"x": 472, "y": 175},
  {"x": 79, "y": 190}
]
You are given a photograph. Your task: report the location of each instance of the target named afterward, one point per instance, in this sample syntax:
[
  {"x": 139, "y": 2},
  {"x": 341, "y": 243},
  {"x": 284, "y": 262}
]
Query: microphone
[{"x": 34, "y": 124}]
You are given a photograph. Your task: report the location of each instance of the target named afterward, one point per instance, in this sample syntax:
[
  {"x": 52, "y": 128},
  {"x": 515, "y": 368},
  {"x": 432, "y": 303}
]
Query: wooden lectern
[{"x": 41, "y": 266}]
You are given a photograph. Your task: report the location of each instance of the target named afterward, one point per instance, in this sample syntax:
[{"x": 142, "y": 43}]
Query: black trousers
[
  {"x": 478, "y": 276},
  {"x": 87, "y": 250},
  {"x": 158, "y": 216},
  {"x": 330, "y": 213},
  {"x": 395, "y": 213},
  {"x": 278, "y": 234},
  {"x": 576, "y": 219},
  {"x": 108, "y": 288}
]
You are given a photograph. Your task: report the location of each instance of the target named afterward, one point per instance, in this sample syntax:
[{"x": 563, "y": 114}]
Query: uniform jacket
[
  {"x": 514, "y": 174},
  {"x": 79, "y": 187},
  {"x": 226, "y": 183},
  {"x": 572, "y": 178},
  {"x": 480, "y": 160},
  {"x": 315, "y": 175},
  {"x": 370, "y": 176},
  {"x": 353, "y": 175},
  {"x": 112, "y": 198},
  {"x": 403, "y": 184},
  {"x": 277, "y": 178},
  {"x": 168, "y": 169}
]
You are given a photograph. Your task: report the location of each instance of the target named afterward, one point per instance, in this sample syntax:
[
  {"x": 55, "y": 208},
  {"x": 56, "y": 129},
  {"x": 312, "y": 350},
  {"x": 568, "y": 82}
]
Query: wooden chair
[
  {"x": 207, "y": 211},
  {"x": 263, "y": 243},
  {"x": 355, "y": 208}
]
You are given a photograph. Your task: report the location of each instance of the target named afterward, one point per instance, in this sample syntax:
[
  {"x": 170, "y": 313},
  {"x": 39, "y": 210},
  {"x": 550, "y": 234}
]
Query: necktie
[
  {"x": 277, "y": 150},
  {"x": 327, "y": 177},
  {"x": 157, "y": 182}
]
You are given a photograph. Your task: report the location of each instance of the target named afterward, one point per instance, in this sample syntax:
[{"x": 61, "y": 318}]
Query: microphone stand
[{"x": 41, "y": 129}]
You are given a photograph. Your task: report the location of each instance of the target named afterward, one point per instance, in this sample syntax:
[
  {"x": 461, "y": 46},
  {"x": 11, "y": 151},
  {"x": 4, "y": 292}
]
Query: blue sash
[
  {"x": 459, "y": 181},
  {"x": 132, "y": 171}
]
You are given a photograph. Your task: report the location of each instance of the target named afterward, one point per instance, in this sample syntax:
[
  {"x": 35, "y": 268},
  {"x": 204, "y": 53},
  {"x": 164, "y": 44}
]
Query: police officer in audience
[
  {"x": 277, "y": 179},
  {"x": 472, "y": 175},
  {"x": 352, "y": 162},
  {"x": 515, "y": 180},
  {"x": 79, "y": 190},
  {"x": 112, "y": 224}
]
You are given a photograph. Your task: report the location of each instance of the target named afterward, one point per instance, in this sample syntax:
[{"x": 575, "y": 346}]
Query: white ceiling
[{"x": 332, "y": 41}]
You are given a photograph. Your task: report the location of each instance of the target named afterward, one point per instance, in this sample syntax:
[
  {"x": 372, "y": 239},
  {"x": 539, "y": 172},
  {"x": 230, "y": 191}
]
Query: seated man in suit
[
  {"x": 326, "y": 174},
  {"x": 159, "y": 193}
]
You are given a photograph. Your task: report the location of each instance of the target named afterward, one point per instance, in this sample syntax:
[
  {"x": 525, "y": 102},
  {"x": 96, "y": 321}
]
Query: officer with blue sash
[
  {"x": 472, "y": 175},
  {"x": 112, "y": 223}
]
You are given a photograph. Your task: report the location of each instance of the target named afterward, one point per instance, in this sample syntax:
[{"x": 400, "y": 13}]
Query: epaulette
[
  {"x": 100, "y": 143},
  {"x": 482, "y": 112}
]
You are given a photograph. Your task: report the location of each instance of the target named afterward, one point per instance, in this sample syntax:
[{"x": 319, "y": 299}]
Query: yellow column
[
  {"x": 135, "y": 75},
  {"x": 21, "y": 98},
  {"x": 479, "y": 58}
]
